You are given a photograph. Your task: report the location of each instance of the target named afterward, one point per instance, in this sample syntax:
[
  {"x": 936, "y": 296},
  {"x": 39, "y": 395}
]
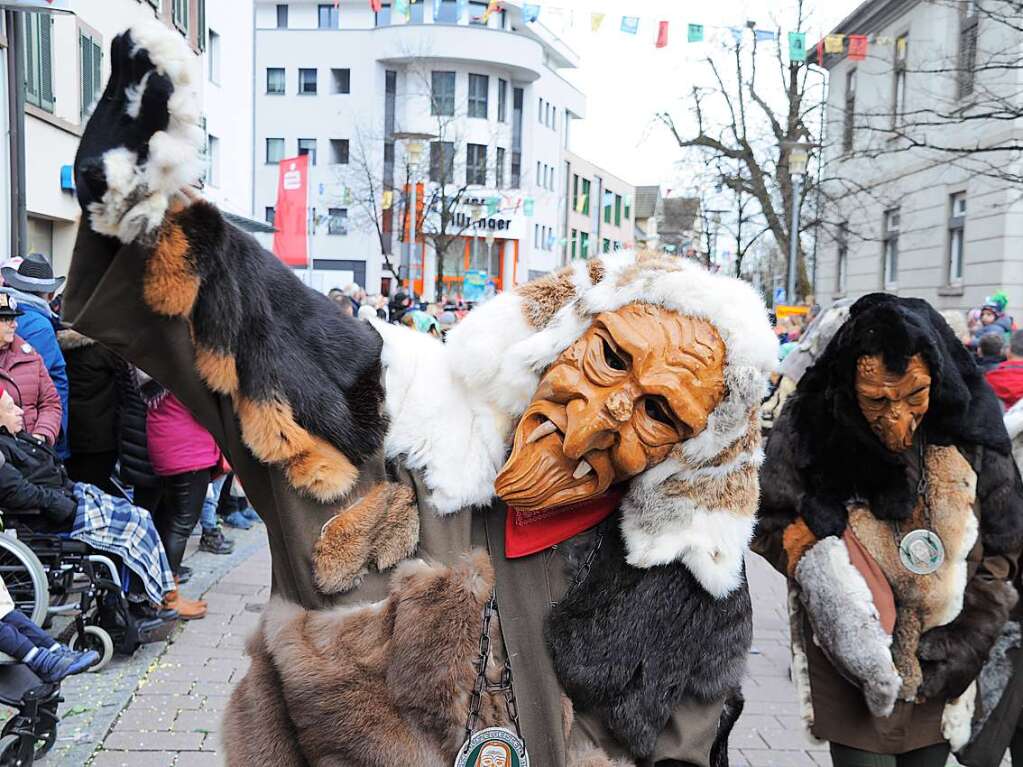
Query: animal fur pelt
[
  {"x": 304, "y": 380},
  {"x": 593, "y": 634},
  {"x": 836, "y": 453}
]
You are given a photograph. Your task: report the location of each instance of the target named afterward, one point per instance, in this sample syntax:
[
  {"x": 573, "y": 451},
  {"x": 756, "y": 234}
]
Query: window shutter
[
  {"x": 46, "y": 98},
  {"x": 85, "y": 56},
  {"x": 31, "y": 56},
  {"x": 97, "y": 69},
  {"x": 202, "y": 25}
]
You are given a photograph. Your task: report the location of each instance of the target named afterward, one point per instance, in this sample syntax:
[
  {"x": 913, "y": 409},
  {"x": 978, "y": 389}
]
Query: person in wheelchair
[
  {"x": 33, "y": 478},
  {"x": 26, "y": 642}
]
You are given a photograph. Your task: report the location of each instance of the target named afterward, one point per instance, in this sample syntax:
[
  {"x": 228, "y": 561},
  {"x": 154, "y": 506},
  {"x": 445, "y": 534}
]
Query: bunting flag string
[{"x": 596, "y": 19}]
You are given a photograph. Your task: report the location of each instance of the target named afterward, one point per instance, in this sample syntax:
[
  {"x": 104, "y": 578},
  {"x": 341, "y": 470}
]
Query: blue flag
[
  {"x": 530, "y": 13},
  {"x": 764, "y": 35},
  {"x": 736, "y": 33},
  {"x": 630, "y": 24}
]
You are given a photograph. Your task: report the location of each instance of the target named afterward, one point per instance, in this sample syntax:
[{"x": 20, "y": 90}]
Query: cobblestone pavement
[{"x": 162, "y": 707}]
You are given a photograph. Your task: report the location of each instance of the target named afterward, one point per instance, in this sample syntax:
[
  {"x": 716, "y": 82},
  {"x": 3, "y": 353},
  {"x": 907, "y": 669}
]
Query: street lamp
[
  {"x": 414, "y": 151},
  {"x": 799, "y": 156}
]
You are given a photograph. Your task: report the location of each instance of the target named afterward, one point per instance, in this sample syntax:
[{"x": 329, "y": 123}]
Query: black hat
[
  {"x": 33, "y": 275},
  {"x": 9, "y": 306}
]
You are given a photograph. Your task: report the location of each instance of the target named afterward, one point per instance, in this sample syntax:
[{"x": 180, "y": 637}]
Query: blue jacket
[{"x": 38, "y": 326}]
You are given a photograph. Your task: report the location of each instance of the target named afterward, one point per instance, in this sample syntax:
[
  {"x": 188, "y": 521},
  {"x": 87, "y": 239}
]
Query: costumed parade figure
[
  {"x": 529, "y": 539},
  {"x": 892, "y": 503}
]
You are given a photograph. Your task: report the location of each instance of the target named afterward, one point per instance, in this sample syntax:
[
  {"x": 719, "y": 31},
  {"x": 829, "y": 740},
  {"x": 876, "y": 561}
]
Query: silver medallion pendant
[
  {"x": 921, "y": 551},
  {"x": 493, "y": 747}
]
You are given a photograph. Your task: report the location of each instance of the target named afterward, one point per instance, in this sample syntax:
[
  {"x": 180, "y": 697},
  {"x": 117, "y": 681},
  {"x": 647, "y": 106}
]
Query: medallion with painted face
[
  {"x": 636, "y": 383},
  {"x": 894, "y": 404}
]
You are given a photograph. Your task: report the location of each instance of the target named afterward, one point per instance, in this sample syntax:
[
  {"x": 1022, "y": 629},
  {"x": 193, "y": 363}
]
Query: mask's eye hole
[
  {"x": 658, "y": 410},
  {"x": 613, "y": 359}
]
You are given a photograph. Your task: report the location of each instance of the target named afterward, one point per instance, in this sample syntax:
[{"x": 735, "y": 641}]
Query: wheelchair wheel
[
  {"x": 25, "y": 578},
  {"x": 10, "y": 751},
  {"x": 95, "y": 638},
  {"x": 45, "y": 733}
]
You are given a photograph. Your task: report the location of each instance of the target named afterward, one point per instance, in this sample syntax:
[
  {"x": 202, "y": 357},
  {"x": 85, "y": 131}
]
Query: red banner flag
[
  {"x": 662, "y": 34},
  {"x": 857, "y": 47},
  {"x": 820, "y": 52},
  {"x": 375, "y": 5},
  {"x": 291, "y": 216}
]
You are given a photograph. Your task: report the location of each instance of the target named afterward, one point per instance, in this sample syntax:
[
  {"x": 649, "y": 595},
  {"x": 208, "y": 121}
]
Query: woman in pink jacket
[
  {"x": 23, "y": 374},
  {"x": 184, "y": 455}
]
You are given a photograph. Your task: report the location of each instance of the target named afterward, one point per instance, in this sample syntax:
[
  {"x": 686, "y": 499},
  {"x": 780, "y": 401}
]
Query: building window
[
  {"x": 201, "y": 26},
  {"x": 618, "y": 210},
  {"x": 337, "y": 221},
  {"x": 899, "y": 87},
  {"x": 502, "y": 100},
  {"x": 516, "y": 160},
  {"x": 477, "y": 10},
  {"x": 38, "y": 47},
  {"x": 275, "y": 81},
  {"x": 476, "y": 164},
  {"x": 390, "y": 101},
  {"x": 180, "y": 14},
  {"x": 307, "y": 146},
  {"x": 213, "y": 161},
  {"x": 584, "y": 245},
  {"x": 442, "y": 161},
  {"x": 536, "y": 235},
  {"x": 499, "y": 168},
  {"x": 554, "y": 118},
  {"x": 92, "y": 79},
  {"x": 282, "y": 16},
  {"x": 213, "y": 55},
  {"x": 575, "y": 191},
  {"x": 442, "y": 93},
  {"x": 274, "y": 150},
  {"x": 327, "y": 16},
  {"x": 269, "y": 214},
  {"x": 307, "y": 82},
  {"x": 575, "y": 235},
  {"x": 539, "y": 111},
  {"x": 339, "y": 151},
  {"x": 956, "y": 238},
  {"x": 628, "y": 206},
  {"x": 969, "y": 21},
  {"x": 341, "y": 80},
  {"x": 446, "y": 12},
  {"x": 479, "y": 90},
  {"x": 539, "y": 173},
  {"x": 605, "y": 245},
  {"x": 850, "y": 110},
  {"x": 586, "y": 197},
  {"x": 892, "y": 222},
  {"x": 609, "y": 200},
  {"x": 382, "y": 18},
  {"x": 842, "y": 258}
]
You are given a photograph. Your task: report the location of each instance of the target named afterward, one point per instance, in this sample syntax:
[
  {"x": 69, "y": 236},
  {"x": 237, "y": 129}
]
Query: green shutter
[
  {"x": 202, "y": 25},
  {"x": 97, "y": 70},
  {"x": 30, "y": 47},
  {"x": 85, "y": 57},
  {"x": 46, "y": 98}
]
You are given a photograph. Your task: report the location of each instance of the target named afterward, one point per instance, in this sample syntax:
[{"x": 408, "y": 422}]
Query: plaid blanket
[{"x": 116, "y": 526}]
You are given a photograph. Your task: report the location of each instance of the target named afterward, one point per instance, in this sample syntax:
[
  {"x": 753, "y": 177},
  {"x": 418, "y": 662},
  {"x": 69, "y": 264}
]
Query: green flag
[
  {"x": 527, "y": 207},
  {"x": 797, "y": 46},
  {"x": 492, "y": 203},
  {"x": 696, "y": 33}
]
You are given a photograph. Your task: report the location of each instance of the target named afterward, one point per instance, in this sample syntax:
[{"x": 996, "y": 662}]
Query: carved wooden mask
[
  {"x": 637, "y": 382},
  {"x": 894, "y": 404}
]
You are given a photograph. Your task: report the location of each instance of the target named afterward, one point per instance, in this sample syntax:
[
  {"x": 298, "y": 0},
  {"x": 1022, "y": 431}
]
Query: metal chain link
[{"x": 921, "y": 494}]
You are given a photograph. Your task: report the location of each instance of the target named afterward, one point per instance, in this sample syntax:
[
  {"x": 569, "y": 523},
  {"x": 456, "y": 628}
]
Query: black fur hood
[{"x": 834, "y": 451}]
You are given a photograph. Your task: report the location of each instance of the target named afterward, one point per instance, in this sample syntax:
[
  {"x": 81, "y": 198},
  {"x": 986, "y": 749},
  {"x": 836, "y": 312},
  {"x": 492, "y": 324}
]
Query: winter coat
[
  {"x": 38, "y": 325},
  {"x": 177, "y": 442},
  {"x": 1003, "y": 325},
  {"x": 134, "y": 466},
  {"x": 32, "y": 477},
  {"x": 1007, "y": 381},
  {"x": 93, "y": 398},
  {"x": 24, "y": 375},
  {"x": 886, "y": 660}
]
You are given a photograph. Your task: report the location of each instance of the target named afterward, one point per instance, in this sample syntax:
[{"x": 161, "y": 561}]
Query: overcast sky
[{"x": 627, "y": 80}]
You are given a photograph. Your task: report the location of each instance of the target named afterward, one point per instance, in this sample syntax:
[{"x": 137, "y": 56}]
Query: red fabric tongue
[{"x": 527, "y": 535}]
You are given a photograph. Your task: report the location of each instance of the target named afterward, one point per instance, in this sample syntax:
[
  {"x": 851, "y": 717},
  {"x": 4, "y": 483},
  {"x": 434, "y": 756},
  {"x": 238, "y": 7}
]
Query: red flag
[
  {"x": 291, "y": 216},
  {"x": 820, "y": 52},
  {"x": 375, "y": 5},
  {"x": 857, "y": 47},
  {"x": 662, "y": 34}
]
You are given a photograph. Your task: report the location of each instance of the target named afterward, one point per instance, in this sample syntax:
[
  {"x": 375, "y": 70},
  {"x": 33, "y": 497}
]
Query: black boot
[{"x": 214, "y": 542}]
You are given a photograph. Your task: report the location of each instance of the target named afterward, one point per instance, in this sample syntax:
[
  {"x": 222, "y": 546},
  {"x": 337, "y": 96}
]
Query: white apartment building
[
  {"x": 344, "y": 84},
  {"x": 67, "y": 66},
  {"x": 905, "y": 219}
]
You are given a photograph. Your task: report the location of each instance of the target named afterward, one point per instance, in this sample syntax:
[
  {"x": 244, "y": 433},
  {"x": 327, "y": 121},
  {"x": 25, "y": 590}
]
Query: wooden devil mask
[
  {"x": 639, "y": 381},
  {"x": 893, "y": 403}
]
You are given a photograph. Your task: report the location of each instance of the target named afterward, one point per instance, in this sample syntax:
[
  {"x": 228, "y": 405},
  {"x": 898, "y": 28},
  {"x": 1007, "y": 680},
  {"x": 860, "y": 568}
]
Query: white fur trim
[
  {"x": 456, "y": 440},
  {"x": 800, "y": 664},
  {"x": 137, "y": 197},
  {"x": 960, "y": 570},
  {"x": 957, "y": 718},
  {"x": 709, "y": 542}
]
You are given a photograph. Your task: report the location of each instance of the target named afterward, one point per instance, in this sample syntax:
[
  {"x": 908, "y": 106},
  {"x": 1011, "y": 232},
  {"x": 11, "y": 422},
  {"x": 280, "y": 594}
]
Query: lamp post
[
  {"x": 414, "y": 151},
  {"x": 799, "y": 156}
]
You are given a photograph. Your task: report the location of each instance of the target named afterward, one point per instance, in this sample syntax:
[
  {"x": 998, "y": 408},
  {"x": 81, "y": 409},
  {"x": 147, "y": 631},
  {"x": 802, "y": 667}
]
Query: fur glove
[{"x": 951, "y": 656}]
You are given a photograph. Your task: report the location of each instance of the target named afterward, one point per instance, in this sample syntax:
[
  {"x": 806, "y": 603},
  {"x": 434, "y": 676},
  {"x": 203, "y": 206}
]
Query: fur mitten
[
  {"x": 847, "y": 624},
  {"x": 951, "y": 656}
]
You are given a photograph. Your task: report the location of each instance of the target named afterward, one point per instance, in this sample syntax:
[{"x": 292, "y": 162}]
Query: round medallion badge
[
  {"x": 493, "y": 747},
  {"x": 921, "y": 551}
]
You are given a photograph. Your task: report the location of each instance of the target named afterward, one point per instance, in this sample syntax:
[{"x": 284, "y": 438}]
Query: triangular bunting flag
[
  {"x": 695, "y": 34},
  {"x": 596, "y": 19},
  {"x": 797, "y": 46},
  {"x": 858, "y": 47},
  {"x": 834, "y": 43},
  {"x": 662, "y": 34},
  {"x": 530, "y": 13},
  {"x": 630, "y": 24}
]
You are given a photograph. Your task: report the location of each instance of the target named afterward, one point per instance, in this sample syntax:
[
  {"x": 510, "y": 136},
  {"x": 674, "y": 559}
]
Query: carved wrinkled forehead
[{"x": 873, "y": 372}]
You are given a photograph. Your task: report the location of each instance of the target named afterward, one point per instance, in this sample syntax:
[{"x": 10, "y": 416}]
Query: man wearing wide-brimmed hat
[{"x": 31, "y": 282}]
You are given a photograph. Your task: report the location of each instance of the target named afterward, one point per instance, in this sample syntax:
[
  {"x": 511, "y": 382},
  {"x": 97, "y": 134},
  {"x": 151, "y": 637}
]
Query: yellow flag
[
  {"x": 900, "y": 47},
  {"x": 580, "y": 205},
  {"x": 596, "y": 19},
  {"x": 834, "y": 43},
  {"x": 388, "y": 200}
]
